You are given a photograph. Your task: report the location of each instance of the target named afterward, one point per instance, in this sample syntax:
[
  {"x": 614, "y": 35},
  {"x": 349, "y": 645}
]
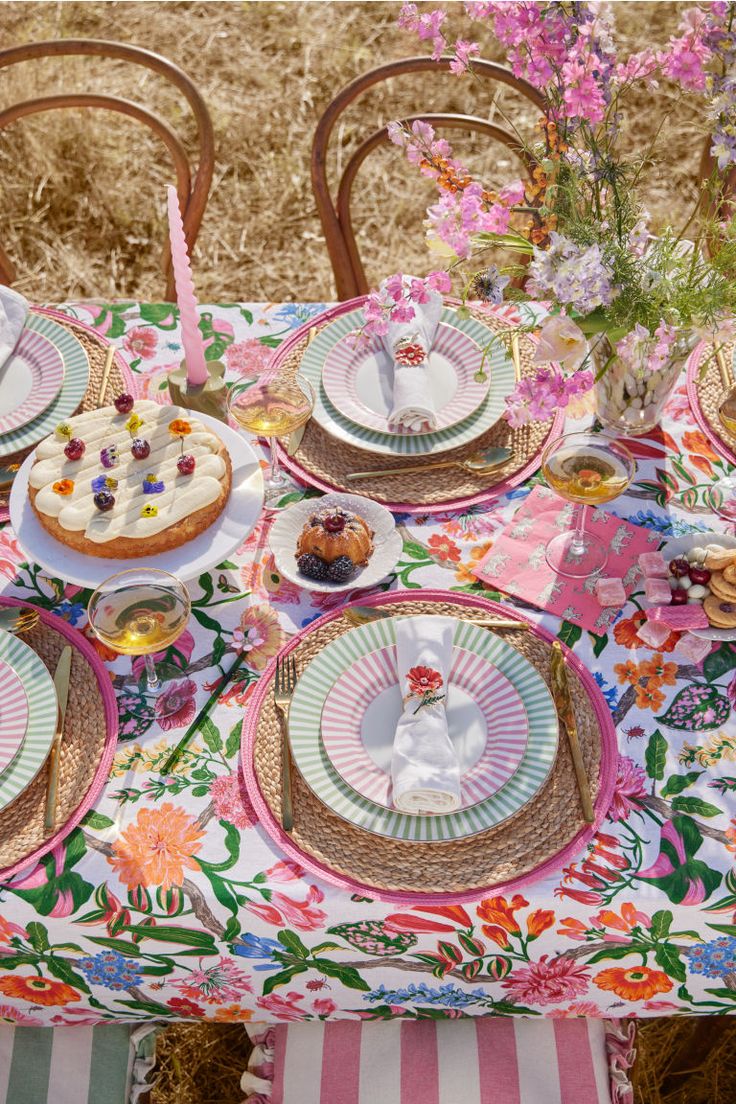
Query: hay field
[{"x": 82, "y": 191}]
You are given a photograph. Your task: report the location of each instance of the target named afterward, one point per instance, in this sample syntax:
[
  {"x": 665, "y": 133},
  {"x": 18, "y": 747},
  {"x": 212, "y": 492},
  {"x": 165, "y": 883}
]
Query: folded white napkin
[
  {"x": 404, "y": 343},
  {"x": 424, "y": 767},
  {"x": 13, "y": 312}
]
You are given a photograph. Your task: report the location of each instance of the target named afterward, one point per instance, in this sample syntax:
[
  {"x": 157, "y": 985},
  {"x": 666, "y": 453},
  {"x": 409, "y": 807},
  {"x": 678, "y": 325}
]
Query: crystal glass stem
[{"x": 153, "y": 682}]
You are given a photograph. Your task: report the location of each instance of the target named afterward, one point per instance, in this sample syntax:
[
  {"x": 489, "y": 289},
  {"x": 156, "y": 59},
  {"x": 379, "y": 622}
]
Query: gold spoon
[{"x": 480, "y": 463}]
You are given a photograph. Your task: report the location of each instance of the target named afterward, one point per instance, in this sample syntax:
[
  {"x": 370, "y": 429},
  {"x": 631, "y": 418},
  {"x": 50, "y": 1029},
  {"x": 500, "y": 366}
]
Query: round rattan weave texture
[
  {"x": 710, "y": 393},
  {"x": 96, "y": 349},
  {"x": 85, "y": 736},
  {"x": 538, "y": 832},
  {"x": 329, "y": 460}
]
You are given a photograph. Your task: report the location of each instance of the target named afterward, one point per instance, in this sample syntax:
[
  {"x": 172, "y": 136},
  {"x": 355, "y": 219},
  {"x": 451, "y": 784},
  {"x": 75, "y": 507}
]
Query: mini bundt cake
[{"x": 333, "y": 532}]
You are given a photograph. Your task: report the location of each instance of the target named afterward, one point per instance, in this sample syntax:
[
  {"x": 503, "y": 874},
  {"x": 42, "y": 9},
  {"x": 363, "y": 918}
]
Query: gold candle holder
[{"x": 206, "y": 398}]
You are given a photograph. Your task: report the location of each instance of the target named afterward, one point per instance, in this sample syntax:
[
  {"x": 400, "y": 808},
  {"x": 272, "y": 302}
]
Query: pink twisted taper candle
[{"x": 191, "y": 336}]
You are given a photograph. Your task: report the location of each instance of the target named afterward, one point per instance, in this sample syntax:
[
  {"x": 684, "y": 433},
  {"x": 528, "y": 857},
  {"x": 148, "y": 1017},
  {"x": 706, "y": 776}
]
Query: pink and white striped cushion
[{"x": 488, "y": 1060}]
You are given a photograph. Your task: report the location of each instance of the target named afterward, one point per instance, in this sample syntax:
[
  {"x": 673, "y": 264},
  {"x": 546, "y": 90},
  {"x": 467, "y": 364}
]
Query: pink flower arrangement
[{"x": 577, "y": 220}]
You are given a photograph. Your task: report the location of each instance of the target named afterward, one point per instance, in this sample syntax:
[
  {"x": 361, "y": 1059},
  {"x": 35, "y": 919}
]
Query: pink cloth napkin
[{"x": 516, "y": 563}]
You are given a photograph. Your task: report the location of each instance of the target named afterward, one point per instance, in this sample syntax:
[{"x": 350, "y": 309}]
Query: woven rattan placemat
[
  {"x": 709, "y": 394},
  {"x": 538, "y": 832},
  {"x": 85, "y": 735},
  {"x": 95, "y": 346},
  {"x": 329, "y": 460}
]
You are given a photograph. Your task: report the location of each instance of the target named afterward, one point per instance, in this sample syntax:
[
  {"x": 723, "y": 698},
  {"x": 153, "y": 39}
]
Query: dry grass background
[
  {"x": 82, "y": 192},
  {"x": 81, "y": 213}
]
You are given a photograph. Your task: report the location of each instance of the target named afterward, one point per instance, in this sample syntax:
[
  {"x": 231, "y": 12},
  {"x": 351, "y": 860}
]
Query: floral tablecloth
[{"x": 169, "y": 901}]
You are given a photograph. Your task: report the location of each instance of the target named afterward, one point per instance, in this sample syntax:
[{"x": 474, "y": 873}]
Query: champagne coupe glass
[
  {"x": 139, "y": 612},
  {"x": 589, "y": 469},
  {"x": 272, "y": 408}
]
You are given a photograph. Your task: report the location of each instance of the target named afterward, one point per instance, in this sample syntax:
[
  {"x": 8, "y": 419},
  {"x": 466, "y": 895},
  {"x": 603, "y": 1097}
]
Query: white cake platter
[{"x": 190, "y": 560}]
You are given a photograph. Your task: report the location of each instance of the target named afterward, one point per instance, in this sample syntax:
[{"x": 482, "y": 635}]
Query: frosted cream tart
[{"x": 129, "y": 480}]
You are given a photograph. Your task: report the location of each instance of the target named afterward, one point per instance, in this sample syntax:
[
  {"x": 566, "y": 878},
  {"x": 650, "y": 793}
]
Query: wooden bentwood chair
[
  {"x": 192, "y": 188},
  {"x": 335, "y": 213}
]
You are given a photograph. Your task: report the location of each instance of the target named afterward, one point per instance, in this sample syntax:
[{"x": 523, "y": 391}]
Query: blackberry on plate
[
  {"x": 341, "y": 569},
  {"x": 312, "y": 566}
]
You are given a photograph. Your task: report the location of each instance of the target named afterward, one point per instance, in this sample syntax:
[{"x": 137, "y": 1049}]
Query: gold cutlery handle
[
  {"x": 105, "y": 374},
  {"x": 727, "y": 379},
  {"x": 52, "y": 790},
  {"x": 287, "y": 809},
  {"x": 582, "y": 778},
  {"x": 516, "y": 355},
  {"x": 401, "y": 471}
]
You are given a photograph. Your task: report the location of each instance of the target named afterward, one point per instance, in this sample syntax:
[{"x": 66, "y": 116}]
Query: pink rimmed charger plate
[
  {"x": 489, "y": 494},
  {"x": 87, "y": 800},
  {"x": 693, "y": 371},
  {"x": 488, "y": 724},
  {"x": 548, "y": 867},
  {"x": 13, "y": 714},
  {"x": 29, "y": 381},
  {"x": 357, "y": 380}
]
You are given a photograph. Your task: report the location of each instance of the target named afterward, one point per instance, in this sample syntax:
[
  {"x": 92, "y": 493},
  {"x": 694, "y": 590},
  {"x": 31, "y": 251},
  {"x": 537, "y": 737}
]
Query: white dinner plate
[
  {"x": 680, "y": 546},
  {"x": 486, "y": 722},
  {"x": 358, "y": 380},
  {"x": 386, "y": 540},
  {"x": 190, "y": 560}
]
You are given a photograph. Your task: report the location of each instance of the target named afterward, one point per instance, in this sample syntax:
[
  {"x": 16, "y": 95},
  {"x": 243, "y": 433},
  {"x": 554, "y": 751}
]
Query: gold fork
[
  {"x": 283, "y": 689},
  {"x": 18, "y": 620}
]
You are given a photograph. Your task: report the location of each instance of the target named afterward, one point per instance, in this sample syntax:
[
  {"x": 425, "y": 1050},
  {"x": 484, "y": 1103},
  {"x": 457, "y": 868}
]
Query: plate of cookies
[
  {"x": 702, "y": 566},
  {"x": 334, "y": 543},
  {"x": 136, "y": 480}
]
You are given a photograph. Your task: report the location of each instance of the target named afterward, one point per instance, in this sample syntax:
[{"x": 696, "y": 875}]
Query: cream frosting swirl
[{"x": 182, "y": 496}]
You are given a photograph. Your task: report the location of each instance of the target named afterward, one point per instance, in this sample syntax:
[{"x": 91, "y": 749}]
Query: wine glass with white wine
[
  {"x": 272, "y": 408},
  {"x": 140, "y": 612},
  {"x": 586, "y": 469}
]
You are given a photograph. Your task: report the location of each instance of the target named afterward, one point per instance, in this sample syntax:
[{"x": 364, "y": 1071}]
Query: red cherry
[
  {"x": 679, "y": 568},
  {"x": 679, "y": 597},
  {"x": 124, "y": 403},
  {"x": 75, "y": 449},
  {"x": 700, "y": 576},
  {"x": 140, "y": 448},
  {"x": 334, "y": 524},
  {"x": 186, "y": 464}
]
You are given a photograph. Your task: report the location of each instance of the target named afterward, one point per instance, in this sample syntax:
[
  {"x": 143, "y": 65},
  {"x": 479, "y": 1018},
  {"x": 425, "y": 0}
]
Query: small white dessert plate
[
  {"x": 386, "y": 540},
  {"x": 188, "y": 561},
  {"x": 680, "y": 546},
  {"x": 359, "y": 380}
]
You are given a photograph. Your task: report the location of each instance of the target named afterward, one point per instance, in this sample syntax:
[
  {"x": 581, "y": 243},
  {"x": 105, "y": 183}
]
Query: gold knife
[
  {"x": 61, "y": 682},
  {"x": 360, "y": 615},
  {"x": 563, "y": 704}
]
